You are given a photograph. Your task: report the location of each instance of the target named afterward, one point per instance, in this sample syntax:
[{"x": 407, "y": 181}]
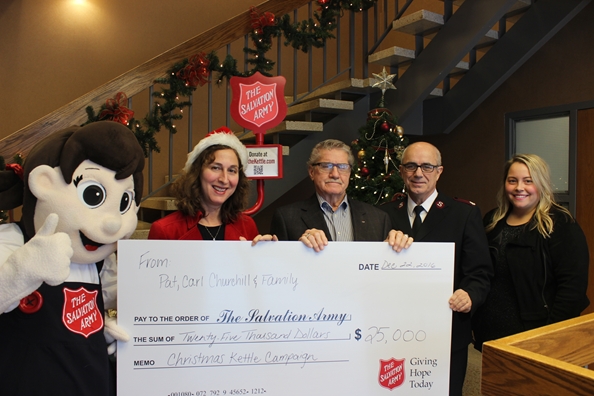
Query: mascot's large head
[{"x": 91, "y": 176}]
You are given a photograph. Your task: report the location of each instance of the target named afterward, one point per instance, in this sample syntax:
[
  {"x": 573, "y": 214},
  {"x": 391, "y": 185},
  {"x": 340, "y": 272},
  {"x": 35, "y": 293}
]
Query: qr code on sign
[{"x": 258, "y": 170}]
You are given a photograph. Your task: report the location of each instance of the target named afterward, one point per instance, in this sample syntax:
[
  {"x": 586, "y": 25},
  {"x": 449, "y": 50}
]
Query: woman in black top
[{"x": 539, "y": 253}]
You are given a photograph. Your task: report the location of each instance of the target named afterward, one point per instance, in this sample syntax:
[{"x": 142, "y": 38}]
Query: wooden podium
[{"x": 549, "y": 360}]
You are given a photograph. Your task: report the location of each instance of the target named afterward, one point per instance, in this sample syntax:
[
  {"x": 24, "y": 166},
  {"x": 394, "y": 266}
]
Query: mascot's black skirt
[{"x": 40, "y": 355}]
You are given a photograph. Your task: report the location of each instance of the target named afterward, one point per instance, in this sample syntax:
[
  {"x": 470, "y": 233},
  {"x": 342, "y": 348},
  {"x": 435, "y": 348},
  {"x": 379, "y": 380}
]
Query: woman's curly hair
[{"x": 187, "y": 189}]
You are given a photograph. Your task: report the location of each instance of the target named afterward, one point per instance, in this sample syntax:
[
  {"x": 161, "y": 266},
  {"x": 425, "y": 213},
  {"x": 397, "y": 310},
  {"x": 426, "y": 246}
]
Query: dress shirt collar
[
  {"x": 344, "y": 204},
  {"x": 426, "y": 204}
]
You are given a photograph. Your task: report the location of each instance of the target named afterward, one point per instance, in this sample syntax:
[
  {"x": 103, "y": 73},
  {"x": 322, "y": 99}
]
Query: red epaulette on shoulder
[
  {"x": 467, "y": 202},
  {"x": 399, "y": 197}
]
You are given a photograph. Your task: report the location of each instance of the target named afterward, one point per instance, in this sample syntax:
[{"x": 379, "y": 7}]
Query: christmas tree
[{"x": 376, "y": 178}]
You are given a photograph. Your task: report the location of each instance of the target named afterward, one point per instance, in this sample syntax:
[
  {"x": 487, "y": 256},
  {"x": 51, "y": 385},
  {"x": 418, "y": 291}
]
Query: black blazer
[
  {"x": 460, "y": 222},
  {"x": 290, "y": 222}
]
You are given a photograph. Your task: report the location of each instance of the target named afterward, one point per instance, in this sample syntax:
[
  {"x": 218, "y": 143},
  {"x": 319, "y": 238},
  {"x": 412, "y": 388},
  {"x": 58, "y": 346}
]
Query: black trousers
[{"x": 458, "y": 362}]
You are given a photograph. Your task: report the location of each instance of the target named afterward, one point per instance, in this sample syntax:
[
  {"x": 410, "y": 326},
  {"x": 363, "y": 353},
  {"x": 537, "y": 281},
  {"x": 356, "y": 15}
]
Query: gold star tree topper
[{"x": 384, "y": 81}]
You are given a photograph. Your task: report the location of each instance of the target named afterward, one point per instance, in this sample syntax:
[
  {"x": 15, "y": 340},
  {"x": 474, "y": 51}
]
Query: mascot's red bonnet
[{"x": 80, "y": 192}]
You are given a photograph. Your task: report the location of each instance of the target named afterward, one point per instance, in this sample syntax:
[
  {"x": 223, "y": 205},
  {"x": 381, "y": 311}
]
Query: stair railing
[{"x": 210, "y": 106}]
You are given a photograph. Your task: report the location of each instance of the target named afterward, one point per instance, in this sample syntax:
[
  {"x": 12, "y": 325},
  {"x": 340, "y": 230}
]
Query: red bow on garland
[
  {"x": 115, "y": 109},
  {"x": 16, "y": 168},
  {"x": 261, "y": 21},
  {"x": 196, "y": 71}
]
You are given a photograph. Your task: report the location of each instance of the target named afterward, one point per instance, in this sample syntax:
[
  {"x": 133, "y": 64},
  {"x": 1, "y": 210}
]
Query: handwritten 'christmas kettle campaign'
[{"x": 210, "y": 318}]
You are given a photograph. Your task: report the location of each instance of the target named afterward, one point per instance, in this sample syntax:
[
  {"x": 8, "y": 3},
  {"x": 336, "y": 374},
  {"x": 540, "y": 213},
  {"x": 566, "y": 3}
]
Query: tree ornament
[
  {"x": 384, "y": 81},
  {"x": 385, "y": 127},
  {"x": 399, "y": 150},
  {"x": 364, "y": 172},
  {"x": 387, "y": 159},
  {"x": 399, "y": 131},
  {"x": 378, "y": 113},
  {"x": 323, "y": 2},
  {"x": 361, "y": 154}
]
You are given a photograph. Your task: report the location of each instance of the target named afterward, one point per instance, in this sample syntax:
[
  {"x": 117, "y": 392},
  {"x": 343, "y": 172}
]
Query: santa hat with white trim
[{"x": 223, "y": 136}]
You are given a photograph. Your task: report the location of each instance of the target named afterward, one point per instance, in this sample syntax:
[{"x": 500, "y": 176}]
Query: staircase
[
  {"x": 468, "y": 36},
  {"x": 447, "y": 57}
]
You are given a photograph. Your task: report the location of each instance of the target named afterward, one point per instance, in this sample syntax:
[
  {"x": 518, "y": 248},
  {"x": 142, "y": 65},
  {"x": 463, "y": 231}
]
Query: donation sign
[
  {"x": 258, "y": 102},
  {"x": 264, "y": 162},
  {"x": 219, "y": 318}
]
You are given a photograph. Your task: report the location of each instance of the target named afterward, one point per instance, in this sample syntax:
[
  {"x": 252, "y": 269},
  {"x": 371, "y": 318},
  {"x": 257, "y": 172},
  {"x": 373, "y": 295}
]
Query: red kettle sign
[{"x": 258, "y": 101}]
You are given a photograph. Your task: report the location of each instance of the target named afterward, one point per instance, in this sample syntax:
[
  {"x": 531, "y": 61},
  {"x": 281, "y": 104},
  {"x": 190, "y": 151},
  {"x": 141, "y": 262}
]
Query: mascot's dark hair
[{"x": 106, "y": 143}]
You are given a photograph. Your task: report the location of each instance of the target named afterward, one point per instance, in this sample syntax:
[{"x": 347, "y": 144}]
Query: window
[
  {"x": 551, "y": 134},
  {"x": 549, "y": 139}
]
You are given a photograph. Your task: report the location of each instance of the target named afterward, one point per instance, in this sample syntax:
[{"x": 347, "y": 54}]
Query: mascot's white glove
[
  {"x": 113, "y": 333},
  {"x": 45, "y": 258}
]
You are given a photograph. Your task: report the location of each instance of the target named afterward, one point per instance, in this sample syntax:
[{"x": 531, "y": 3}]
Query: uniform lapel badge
[
  {"x": 401, "y": 205},
  {"x": 440, "y": 204}
]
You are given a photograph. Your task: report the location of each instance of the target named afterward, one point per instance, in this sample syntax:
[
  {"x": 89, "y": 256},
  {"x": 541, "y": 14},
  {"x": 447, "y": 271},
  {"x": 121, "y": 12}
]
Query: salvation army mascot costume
[{"x": 80, "y": 191}]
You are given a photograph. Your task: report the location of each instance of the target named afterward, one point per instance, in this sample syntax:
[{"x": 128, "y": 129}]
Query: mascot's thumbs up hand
[
  {"x": 45, "y": 258},
  {"x": 53, "y": 268}
]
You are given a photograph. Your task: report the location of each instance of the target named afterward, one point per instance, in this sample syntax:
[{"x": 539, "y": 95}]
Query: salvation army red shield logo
[
  {"x": 391, "y": 373},
  {"x": 258, "y": 101},
  {"x": 81, "y": 314}
]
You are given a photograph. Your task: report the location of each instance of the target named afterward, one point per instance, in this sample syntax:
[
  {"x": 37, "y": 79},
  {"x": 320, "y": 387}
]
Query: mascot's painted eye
[
  {"x": 91, "y": 194},
  {"x": 126, "y": 202}
]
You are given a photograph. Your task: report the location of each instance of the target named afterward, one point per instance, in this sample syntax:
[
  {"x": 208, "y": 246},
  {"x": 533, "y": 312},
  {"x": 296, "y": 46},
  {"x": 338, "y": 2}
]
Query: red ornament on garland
[
  {"x": 267, "y": 19},
  {"x": 115, "y": 109},
  {"x": 196, "y": 71},
  {"x": 261, "y": 21},
  {"x": 323, "y": 2},
  {"x": 16, "y": 168},
  {"x": 364, "y": 172}
]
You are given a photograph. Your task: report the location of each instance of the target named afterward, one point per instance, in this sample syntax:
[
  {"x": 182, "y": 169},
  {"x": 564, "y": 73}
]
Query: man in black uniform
[{"x": 433, "y": 217}]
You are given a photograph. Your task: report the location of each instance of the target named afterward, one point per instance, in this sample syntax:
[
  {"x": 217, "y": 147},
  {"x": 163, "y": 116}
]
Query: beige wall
[{"x": 53, "y": 51}]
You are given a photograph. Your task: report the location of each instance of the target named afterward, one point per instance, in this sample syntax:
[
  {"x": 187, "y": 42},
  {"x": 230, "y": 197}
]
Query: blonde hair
[{"x": 541, "y": 177}]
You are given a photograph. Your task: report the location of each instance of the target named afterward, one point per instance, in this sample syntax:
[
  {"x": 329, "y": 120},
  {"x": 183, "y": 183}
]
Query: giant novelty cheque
[{"x": 210, "y": 318}]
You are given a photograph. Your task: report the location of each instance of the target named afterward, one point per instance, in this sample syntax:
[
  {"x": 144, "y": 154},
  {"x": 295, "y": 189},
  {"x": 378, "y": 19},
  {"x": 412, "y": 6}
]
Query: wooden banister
[{"x": 139, "y": 78}]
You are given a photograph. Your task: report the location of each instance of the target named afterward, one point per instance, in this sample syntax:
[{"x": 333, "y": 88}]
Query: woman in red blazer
[{"x": 211, "y": 194}]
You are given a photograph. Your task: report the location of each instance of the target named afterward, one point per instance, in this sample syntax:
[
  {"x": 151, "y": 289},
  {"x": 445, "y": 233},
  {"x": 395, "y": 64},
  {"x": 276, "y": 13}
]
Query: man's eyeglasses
[
  {"x": 411, "y": 167},
  {"x": 327, "y": 167}
]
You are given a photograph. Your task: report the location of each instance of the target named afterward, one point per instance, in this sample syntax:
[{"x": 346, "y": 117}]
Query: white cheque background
[{"x": 225, "y": 318}]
